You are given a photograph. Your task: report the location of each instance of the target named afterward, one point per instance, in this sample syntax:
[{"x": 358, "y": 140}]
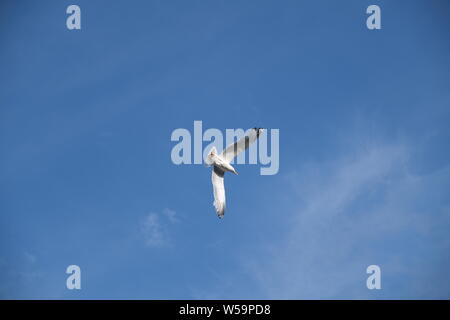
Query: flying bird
[{"x": 221, "y": 164}]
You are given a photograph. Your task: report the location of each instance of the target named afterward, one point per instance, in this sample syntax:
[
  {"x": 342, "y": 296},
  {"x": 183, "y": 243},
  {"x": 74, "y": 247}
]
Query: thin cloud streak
[{"x": 358, "y": 211}]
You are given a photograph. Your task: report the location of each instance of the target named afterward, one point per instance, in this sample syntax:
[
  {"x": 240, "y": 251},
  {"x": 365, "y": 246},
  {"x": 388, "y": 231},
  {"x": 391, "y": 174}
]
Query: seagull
[{"x": 221, "y": 164}]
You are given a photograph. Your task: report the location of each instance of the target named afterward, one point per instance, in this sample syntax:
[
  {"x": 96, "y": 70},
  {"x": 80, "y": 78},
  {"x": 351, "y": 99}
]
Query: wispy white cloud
[
  {"x": 153, "y": 232},
  {"x": 31, "y": 258},
  {"x": 155, "y": 228},
  {"x": 171, "y": 215},
  {"x": 363, "y": 209}
]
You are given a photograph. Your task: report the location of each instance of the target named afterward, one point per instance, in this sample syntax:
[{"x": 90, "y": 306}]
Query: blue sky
[{"x": 86, "y": 176}]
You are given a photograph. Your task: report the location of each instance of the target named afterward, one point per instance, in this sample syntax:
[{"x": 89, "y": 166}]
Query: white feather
[
  {"x": 219, "y": 191},
  {"x": 236, "y": 148}
]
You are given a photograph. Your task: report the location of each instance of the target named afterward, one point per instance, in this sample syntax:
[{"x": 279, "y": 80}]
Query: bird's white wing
[
  {"x": 235, "y": 148},
  {"x": 219, "y": 191}
]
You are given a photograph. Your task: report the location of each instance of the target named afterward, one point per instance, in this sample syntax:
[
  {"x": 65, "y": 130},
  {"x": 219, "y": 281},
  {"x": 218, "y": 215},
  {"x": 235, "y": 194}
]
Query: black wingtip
[{"x": 258, "y": 131}]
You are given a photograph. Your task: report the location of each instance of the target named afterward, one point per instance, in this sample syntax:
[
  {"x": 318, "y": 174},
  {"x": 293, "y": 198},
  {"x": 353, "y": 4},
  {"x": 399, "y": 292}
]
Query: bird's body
[{"x": 221, "y": 164}]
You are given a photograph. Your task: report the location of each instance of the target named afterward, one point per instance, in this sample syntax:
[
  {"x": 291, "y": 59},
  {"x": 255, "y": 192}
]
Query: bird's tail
[{"x": 220, "y": 208}]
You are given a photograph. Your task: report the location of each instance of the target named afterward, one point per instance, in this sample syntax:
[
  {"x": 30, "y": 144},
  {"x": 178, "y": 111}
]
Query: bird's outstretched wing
[
  {"x": 235, "y": 148},
  {"x": 219, "y": 191}
]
